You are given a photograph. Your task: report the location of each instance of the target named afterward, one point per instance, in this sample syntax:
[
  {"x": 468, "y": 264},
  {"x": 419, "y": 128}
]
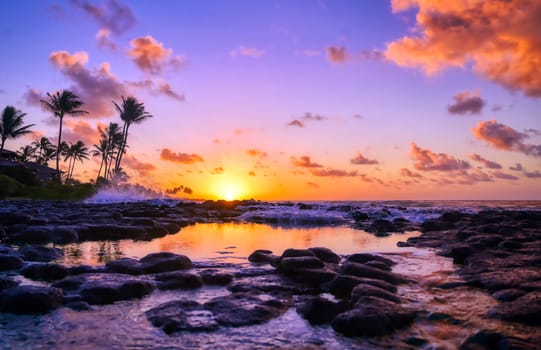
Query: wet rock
[
  {"x": 82, "y": 269},
  {"x": 318, "y": 310},
  {"x": 294, "y": 253},
  {"x": 42, "y": 235},
  {"x": 293, "y": 264},
  {"x": 443, "y": 317},
  {"x": 107, "y": 292},
  {"x": 460, "y": 253},
  {"x": 178, "y": 280},
  {"x": 10, "y": 218},
  {"x": 127, "y": 266},
  {"x": 373, "y": 317},
  {"x": 134, "y": 289},
  {"x": 70, "y": 283},
  {"x": 45, "y": 271},
  {"x": 217, "y": 278},
  {"x": 39, "y": 253},
  {"x": 360, "y": 270},
  {"x": 263, "y": 256},
  {"x": 508, "y": 294},
  {"x": 30, "y": 299},
  {"x": 182, "y": 315},
  {"x": 488, "y": 340},
  {"x": 325, "y": 254},
  {"x": 164, "y": 262},
  {"x": 364, "y": 258},
  {"x": 78, "y": 305},
  {"x": 110, "y": 232},
  {"x": 313, "y": 277},
  {"x": 270, "y": 284},
  {"x": 10, "y": 262},
  {"x": 437, "y": 225},
  {"x": 380, "y": 226},
  {"x": 7, "y": 282},
  {"x": 342, "y": 285},
  {"x": 525, "y": 309},
  {"x": 378, "y": 265},
  {"x": 365, "y": 290},
  {"x": 241, "y": 309}
]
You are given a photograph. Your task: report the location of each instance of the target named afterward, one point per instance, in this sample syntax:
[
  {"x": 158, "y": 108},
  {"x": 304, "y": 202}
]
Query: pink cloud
[
  {"x": 296, "y": 123},
  {"x": 33, "y": 97},
  {"x": 504, "y": 176},
  {"x": 359, "y": 159},
  {"x": 135, "y": 164},
  {"x": 426, "y": 160},
  {"x": 177, "y": 157},
  {"x": 486, "y": 163},
  {"x": 503, "y": 137},
  {"x": 305, "y": 162},
  {"x": 466, "y": 103},
  {"x": 114, "y": 16},
  {"x": 151, "y": 57},
  {"x": 339, "y": 54},
  {"x": 165, "y": 89},
  {"x": 329, "y": 172},
  {"x": 408, "y": 173}
]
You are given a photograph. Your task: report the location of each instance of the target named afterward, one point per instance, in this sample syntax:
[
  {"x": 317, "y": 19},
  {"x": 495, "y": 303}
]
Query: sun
[{"x": 230, "y": 189}]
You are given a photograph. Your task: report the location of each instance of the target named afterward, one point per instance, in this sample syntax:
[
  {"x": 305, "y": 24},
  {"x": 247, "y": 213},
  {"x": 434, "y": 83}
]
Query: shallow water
[{"x": 234, "y": 242}]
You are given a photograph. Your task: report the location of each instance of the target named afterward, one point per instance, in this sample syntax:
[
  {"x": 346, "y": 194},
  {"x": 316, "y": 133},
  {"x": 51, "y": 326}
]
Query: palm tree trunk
[
  {"x": 2, "y": 146},
  {"x": 58, "y": 148},
  {"x": 123, "y": 146},
  {"x": 99, "y": 170}
]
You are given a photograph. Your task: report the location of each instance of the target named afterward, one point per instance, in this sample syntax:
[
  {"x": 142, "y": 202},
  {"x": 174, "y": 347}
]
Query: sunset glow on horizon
[{"x": 292, "y": 100}]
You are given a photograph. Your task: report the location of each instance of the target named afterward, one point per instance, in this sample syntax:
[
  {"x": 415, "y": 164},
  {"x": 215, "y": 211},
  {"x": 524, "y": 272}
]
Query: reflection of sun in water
[{"x": 229, "y": 188}]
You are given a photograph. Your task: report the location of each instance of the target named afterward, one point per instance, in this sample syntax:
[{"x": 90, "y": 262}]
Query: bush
[
  {"x": 8, "y": 186},
  {"x": 54, "y": 191},
  {"x": 22, "y": 175}
]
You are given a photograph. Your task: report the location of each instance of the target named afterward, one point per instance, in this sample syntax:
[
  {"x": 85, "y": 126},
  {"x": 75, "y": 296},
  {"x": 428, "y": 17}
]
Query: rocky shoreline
[{"x": 496, "y": 251}]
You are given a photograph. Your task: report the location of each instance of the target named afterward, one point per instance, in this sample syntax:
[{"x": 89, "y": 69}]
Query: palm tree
[
  {"x": 62, "y": 103},
  {"x": 75, "y": 152},
  {"x": 131, "y": 112},
  {"x": 109, "y": 147},
  {"x": 11, "y": 125},
  {"x": 100, "y": 150},
  {"x": 45, "y": 150},
  {"x": 25, "y": 153}
]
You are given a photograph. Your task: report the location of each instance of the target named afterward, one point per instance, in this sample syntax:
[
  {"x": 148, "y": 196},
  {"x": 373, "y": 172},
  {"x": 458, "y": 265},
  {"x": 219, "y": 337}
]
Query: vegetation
[
  {"x": 23, "y": 181},
  {"x": 11, "y": 125},
  {"x": 62, "y": 103}
]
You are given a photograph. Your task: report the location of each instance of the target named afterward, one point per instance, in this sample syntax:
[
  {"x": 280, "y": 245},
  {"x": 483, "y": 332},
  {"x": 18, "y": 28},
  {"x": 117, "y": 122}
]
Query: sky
[{"x": 296, "y": 99}]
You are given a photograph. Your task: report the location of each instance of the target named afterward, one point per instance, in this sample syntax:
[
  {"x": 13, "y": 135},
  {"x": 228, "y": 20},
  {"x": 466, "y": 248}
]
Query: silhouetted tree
[
  {"x": 11, "y": 125},
  {"x": 25, "y": 153},
  {"x": 62, "y": 103},
  {"x": 45, "y": 150},
  {"x": 75, "y": 152},
  {"x": 131, "y": 112}
]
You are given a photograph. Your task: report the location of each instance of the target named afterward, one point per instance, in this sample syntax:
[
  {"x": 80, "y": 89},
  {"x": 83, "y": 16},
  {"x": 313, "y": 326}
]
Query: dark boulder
[
  {"x": 70, "y": 283},
  {"x": 318, "y": 310},
  {"x": 366, "y": 290},
  {"x": 164, "y": 262},
  {"x": 178, "y": 280},
  {"x": 360, "y": 270},
  {"x": 42, "y": 235},
  {"x": 213, "y": 277},
  {"x": 45, "y": 271},
  {"x": 293, "y": 264},
  {"x": 489, "y": 340},
  {"x": 293, "y": 253},
  {"x": 263, "y": 256},
  {"x": 342, "y": 285},
  {"x": 325, "y": 255},
  {"x": 313, "y": 277},
  {"x": 39, "y": 253},
  {"x": 508, "y": 294},
  {"x": 103, "y": 292},
  {"x": 525, "y": 309},
  {"x": 365, "y": 257},
  {"x": 127, "y": 266},
  {"x": 460, "y": 252},
  {"x": 182, "y": 315},
  {"x": 10, "y": 262},
  {"x": 30, "y": 299},
  {"x": 7, "y": 282},
  {"x": 437, "y": 225}
]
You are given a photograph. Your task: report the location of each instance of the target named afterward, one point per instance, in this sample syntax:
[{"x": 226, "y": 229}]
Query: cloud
[
  {"x": 426, "y": 160},
  {"x": 486, "y": 163},
  {"x": 252, "y": 52},
  {"x": 135, "y": 164},
  {"x": 79, "y": 129},
  {"x": 305, "y": 162},
  {"x": 532, "y": 174},
  {"x": 408, "y": 173},
  {"x": 504, "y": 176},
  {"x": 358, "y": 116},
  {"x": 151, "y": 57},
  {"x": 517, "y": 167},
  {"x": 466, "y": 103},
  {"x": 114, "y": 16},
  {"x": 104, "y": 39},
  {"x": 329, "y": 172},
  {"x": 296, "y": 122},
  {"x": 312, "y": 184},
  {"x": 251, "y": 173},
  {"x": 339, "y": 54},
  {"x": 177, "y": 157},
  {"x": 32, "y": 97},
  {"x": 165, "y": 89},
  {"x": 501, "y": 40},
  {"x": 503, "y": 137},
  {"x": 96, "y": 88},
  {"x": 217, "y": 171},
  {"x": 256, "y": 153},
  {"x": 308, "y": 53},
  {"x": 181, "y": 188},
  {"x": 359, "y": 159}
]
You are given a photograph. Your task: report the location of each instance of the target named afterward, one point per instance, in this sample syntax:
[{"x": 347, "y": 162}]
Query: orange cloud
[
  {"x": 466, "y": 102},
  {"x": 135, "y": 164},
  {"x": 500, "y": 38},
  {"x": 96, "y": 88},
  {"x": 312, "y": 184},
  {"x": 183, "y": 158},
  {"x": 328, "y": 172},
  {"x": 359, "y": 159},
  {"x": 305, "y": 162},
  {"x": 486, "y": 163},
  {"x": 151, "y": 57},
  {"x": 103, "y": 36},
  {"x": 256, "y": 153},
  {"x": 336, "y": 54},
  {"x": 78, "y": 129},
  {"x": 426, "y": 160},
  {"x": 251, "y": 173},
  {"x": 503, "y": 137},
  {"x": 408, "y": 173},
  {"x": 217, "y": 171},
  {"x": 339, "y": 54}
]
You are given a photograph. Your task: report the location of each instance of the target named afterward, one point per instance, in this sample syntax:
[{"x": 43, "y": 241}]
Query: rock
[
  {"x": 294, "y": 253},
  {"x": 443, "y": 317},
  {"x": 103, "y": 292},
  {"x": 525, "y": 309},
  {"x": 460, "y": 252},
  {"x": 360, "y": 270},
  {"x": 488, "y": 340},
  {"x": 42, "y": 235},
  {"x": 7, "y": 282},
  {"x": 213, "y": 277},
  {"x": 325, "y": 255},
  {"x": 45, "y": 271},
  {"x": 373, "y": 317},
  {"x": 10, "y": 262},
  {"x": 364, "y": 258},
  {"x": 39, "y": 253},
  {"x": 94, "y": 232},
  {"x": 82, "y": 269},
  {"x": 263, "y": 256},
  {"x": 182, "y": 315},
  {"x": 293, "y": 264},
  {"x": 178, "y": 280},
  {"x": 241, "y": 309},
  {"x": 100, "y": 294},
  {"x": 127, "y": 266},
  {"x": 30, "y": 299},
  {"x": 313, "y": 277},
  {"x": 365, "y": 290},
  {"x": 378, "y": 265},
  {"x": 381, "y": 226},
  {"x": 508, "y": 294},
  {"x": 164, "y": 262},
  {"x": 318, "y": 310},
  {"x": 134, "y": 289},
  {"x": 437, "y": 225},
  {"x": 70, "y": 283},
  {"x": 342, "y": 285}
]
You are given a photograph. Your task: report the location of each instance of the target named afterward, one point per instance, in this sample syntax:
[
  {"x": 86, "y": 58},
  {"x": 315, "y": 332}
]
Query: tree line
[{"x": 111, "y": 147}]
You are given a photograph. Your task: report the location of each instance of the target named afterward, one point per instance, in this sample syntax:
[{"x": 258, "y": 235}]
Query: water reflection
[{"x": 230, "y": 242}]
